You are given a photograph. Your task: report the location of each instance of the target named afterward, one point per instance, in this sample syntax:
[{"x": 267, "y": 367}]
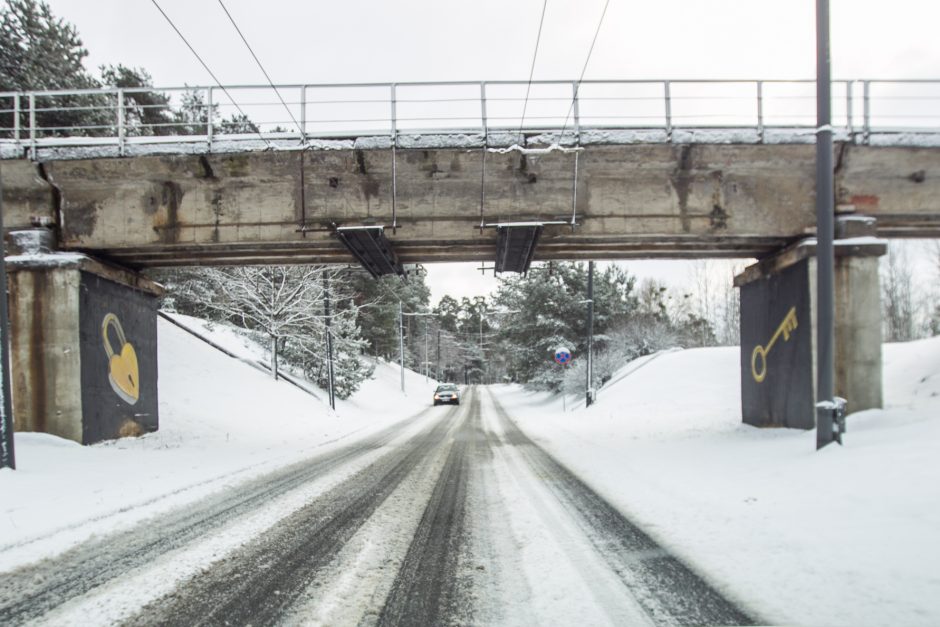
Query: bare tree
[
  {"x": 897, "y": 296},
  {"x": 274, "y": 300}
]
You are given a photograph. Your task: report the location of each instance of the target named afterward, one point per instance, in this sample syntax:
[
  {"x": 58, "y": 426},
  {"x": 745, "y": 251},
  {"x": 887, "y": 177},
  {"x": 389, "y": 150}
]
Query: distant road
[{"x": 455, "y": 517}]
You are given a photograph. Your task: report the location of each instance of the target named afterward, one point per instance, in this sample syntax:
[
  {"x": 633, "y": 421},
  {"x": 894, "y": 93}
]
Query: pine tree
[
  {"x": 41, "y": 52},
  {"x": 146, "y": 112}
]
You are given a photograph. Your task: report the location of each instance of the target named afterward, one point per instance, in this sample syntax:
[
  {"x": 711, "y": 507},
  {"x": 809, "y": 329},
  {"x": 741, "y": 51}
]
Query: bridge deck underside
[{"x": 630, "y": 201}]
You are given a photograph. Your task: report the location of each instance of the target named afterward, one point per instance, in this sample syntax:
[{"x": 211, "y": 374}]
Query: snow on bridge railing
[{"x": 134, "y": 116}]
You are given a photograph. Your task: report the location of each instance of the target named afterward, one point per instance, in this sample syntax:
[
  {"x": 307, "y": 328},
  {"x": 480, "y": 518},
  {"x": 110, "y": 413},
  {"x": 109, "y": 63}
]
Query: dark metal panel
[
  {"x": 372, "y": 249},
  {"x": 515, "y": 246},
  {"x": 776, "y": 350},
  {"x": 118, "y": 343}
]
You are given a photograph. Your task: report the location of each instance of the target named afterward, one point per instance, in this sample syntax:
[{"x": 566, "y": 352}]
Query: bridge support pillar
[
  {"x": 778, "y": 329},
  {"x": 83, "y": 338}
]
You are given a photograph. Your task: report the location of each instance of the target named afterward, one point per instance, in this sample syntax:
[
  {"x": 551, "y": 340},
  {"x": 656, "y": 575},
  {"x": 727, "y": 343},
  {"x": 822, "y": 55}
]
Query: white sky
[{"x": 352, "y": 41}]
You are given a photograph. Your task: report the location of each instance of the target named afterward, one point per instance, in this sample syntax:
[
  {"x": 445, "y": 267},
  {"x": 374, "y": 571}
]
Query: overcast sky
[{"x": 351, "y": 41}]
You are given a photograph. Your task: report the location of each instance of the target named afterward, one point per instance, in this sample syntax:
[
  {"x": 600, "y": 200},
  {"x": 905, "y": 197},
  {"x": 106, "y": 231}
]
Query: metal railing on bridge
[{"x": 307, "y": 113}]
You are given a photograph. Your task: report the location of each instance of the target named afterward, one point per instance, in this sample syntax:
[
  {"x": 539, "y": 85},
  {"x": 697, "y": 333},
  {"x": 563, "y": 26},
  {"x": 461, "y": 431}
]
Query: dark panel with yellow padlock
[
  {"x": 118, "y": 335},
  {"x": 776, "y": 350}
]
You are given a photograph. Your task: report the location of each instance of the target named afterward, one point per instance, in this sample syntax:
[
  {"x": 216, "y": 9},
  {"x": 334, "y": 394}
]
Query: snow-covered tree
[
  {"x": 897, "y": 296},
  {"x": 274, "y": 300},
  {"x": 39, "y": 51}
]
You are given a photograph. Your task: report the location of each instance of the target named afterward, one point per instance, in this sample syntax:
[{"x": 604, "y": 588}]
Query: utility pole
[
  {"x": 7, "y": 459},
  {"x": 828, "y": 420},
  {"x": 589, "y": 398},
  {"x": 401, "y": 345},
  {"x": 329, "y": 336},
  {"x": 426, "y": 362},
  {"x": 438, "y": 352},
  {"x": 482, "y": 358}
]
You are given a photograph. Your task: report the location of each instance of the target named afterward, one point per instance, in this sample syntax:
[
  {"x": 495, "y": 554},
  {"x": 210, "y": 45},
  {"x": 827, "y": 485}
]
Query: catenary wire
[
  {"x": 532, "y": 69},
  {"x": 584, "y": 69},
  {"x": 211, "y": 73},
  {"x": 263, "y": 71}
]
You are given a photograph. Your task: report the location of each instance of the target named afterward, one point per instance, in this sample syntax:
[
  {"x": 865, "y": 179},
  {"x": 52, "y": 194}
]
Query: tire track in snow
[
  {"x": 666, "y": 588},
  {"x": 29, "y": 592},
  {"x": 427, "y": 590},
  {"x": 258, "y": 582}
]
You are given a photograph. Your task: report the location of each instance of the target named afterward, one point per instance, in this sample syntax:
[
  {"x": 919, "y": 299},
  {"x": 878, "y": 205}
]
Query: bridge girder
[{"x": 632, "y": 201}]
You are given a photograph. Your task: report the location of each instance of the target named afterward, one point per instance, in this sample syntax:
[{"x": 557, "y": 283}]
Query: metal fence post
[
  {"x": 760, "y": 111},
  {"x": 16, "y": 119},
  {"x": 209, "y": 121},
  {"x": 395, "y": 174},
  {"x": 394, "y": 114},
  {"x": 303, "y": 113},
  {"x": 866, "y": 111},
  {"x": 668, "y": 110},
  {"x": 483, "y": 111},
  {"x": 120, "y": 121},
  {"x": 849, "y": 114},
  {"x": 577, "y": 114},
  {"x": 32, "y": 126}
]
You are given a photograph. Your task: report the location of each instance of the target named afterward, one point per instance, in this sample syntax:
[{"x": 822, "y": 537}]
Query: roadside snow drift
[
  {"x": 846, "y": 536},
  {"x": 221, "y": 422}
]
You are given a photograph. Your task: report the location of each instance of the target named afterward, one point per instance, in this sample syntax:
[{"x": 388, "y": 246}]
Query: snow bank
[
  {"x": 845, "y": 536},
  {"x": 221, "y": 422}
]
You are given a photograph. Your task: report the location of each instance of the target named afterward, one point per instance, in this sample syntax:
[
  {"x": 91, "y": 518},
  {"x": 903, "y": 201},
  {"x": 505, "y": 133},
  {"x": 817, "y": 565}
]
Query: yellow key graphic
[{"x": 786, "y": 328}]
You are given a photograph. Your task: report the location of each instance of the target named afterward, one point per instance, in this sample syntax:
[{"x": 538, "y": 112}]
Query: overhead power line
[
  {"x": 211, "y": 73},
  {"x": 584, "y": 69},
  {"x": 532, "y": 69},
  {"x": 263, "y": 71}
]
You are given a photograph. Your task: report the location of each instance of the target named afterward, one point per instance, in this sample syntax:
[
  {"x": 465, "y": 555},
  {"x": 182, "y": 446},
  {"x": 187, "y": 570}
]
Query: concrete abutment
[
  {"x": 83, "y": 338},
  {"x": 778, "y": 329}
]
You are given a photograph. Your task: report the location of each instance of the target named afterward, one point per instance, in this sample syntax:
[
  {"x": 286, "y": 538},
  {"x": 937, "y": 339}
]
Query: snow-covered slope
[
  {"x": 846, "y": 536},
  {"x": 221, "y": 421}
]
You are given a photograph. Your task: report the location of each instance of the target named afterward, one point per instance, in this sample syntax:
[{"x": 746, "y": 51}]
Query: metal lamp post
[
  {"x": 7, "y": 459},
  {"x": 401, "y": 341},
  {"x": 828, "y": 411}
]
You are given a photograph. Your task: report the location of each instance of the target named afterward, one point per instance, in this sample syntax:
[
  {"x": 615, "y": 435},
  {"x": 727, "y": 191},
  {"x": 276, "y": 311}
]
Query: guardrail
[{"x": 116, "y": 116}]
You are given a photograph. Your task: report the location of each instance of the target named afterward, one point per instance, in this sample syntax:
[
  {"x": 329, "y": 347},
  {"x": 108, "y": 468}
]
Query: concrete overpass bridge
[
  {"x": 403, "y": 173},
  {"x": 611, "y": 170}
]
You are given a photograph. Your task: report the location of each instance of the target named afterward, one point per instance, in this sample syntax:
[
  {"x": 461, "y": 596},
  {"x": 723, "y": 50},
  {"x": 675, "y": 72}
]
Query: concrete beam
[{"x": 633, "y": 201}]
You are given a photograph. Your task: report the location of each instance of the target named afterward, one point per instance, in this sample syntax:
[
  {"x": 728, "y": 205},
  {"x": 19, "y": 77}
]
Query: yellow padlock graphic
[{"x": 122, "y": 366}]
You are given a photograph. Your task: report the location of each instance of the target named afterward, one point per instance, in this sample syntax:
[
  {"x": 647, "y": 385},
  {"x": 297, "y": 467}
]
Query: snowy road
[{"x": 453, "y": 517}]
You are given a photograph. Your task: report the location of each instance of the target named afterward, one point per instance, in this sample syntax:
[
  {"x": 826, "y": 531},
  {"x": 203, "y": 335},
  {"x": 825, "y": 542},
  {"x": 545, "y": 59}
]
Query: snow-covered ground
[
  {"x": 221, "y": 422},
  {"x": 846, "y": 536}
]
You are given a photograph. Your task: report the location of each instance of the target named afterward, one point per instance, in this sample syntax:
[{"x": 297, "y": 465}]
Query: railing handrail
[
  {"x": 631, "y": 81},
  {"x": 670, "y": 105}
]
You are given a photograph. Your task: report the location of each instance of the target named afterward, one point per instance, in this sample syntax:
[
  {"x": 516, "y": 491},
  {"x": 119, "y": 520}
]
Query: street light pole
[
  {"x": 482, "y": 357},
  {"x": 825, "y": 259},
  {"x": 589, "y": 393},
  {"x": 329, "y": 337},
  {"x": 401, "y": 345},
  {"x": 7, "y": 459}
]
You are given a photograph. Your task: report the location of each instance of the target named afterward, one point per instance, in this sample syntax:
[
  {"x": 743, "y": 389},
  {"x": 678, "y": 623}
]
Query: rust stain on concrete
[
  {"x": 681, "y": 179},
  {"x": 166, "y": 220},
  {"x": 37, "y": 357},
  {"x": 864, "y": 200},
  {"x": 718, "y": 218},
  {"x": 80, "y": 220}
]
